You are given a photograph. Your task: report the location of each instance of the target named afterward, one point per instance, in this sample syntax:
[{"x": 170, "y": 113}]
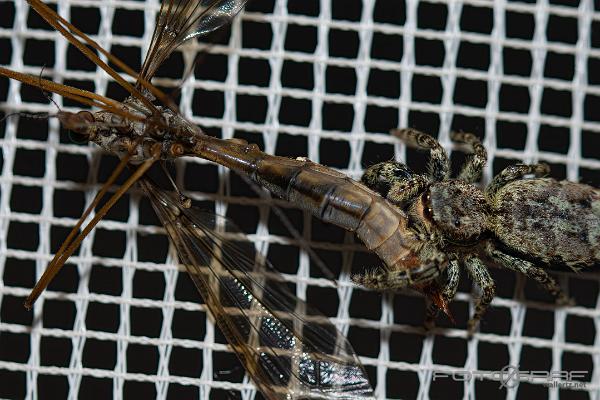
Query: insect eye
[
  {"x": 87, "y": 116},
  {"x": 457, "y": 222},
  {"x": 78, "y": 138}
]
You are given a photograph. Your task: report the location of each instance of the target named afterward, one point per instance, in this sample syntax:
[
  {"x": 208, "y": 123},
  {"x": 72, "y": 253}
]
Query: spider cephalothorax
[{"x": 520, "y": 224}]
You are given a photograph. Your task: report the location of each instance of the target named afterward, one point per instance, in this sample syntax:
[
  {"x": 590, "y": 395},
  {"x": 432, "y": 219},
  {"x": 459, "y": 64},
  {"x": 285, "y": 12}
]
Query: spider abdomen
[{"x": 557, "y": 222}]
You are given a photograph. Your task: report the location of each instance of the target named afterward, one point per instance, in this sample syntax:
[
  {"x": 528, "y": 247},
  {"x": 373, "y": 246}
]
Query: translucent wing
[
  {"x": 180, "y": 20},
  {"x": 289, "y": 350}
]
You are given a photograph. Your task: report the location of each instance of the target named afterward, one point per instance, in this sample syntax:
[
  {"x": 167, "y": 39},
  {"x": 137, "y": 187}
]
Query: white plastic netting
[{"x": 326, "y": 80}]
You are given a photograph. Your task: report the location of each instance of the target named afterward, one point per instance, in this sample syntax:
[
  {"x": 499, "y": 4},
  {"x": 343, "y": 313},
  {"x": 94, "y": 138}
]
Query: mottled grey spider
[{"x": 521, "y": 224}]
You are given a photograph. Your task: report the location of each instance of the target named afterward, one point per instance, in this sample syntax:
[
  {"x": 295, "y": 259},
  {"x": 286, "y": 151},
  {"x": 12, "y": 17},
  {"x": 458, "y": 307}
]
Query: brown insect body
[
  {"x": 327, "y": 194},
  {"x": 135, "y": 138}
]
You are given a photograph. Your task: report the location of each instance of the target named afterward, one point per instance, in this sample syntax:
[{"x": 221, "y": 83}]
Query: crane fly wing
[
  {"x": 288, "y": 349},
  {"x": 200, "y": 17},
  {"x": 181, "y": 20}
]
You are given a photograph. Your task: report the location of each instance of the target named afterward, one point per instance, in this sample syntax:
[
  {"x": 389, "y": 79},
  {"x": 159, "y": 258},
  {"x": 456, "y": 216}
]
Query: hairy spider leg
[
  {"x": 439, "y": 165},
  {"x": 473, "y": 167},
  {"x": 404, "y": 191},
  {"x": 403, "y": 186},
  {"x": 395, "y": 181},
  {"x": 512, "y": 173},
  {"x": 531, "y": 271},
  {"x": 400, "y": 278},
  {"x": 484, "y": 281}
]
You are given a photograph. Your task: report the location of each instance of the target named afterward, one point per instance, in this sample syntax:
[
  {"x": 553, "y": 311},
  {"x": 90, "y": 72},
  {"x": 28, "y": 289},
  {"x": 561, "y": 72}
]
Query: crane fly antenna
[
  {"x": 26, "y": 115},
  {"x": 46, "y": 94},
  {"x": 71, "y": 243}
]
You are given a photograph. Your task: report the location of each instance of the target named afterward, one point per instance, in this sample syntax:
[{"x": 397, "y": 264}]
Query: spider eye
[
  {"x": 426, "y": 203},
  {"x": 457, "y": 222}
]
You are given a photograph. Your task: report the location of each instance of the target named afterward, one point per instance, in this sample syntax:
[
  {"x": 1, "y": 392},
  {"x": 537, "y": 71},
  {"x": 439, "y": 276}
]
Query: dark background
[{"x": 80, "y": 171}]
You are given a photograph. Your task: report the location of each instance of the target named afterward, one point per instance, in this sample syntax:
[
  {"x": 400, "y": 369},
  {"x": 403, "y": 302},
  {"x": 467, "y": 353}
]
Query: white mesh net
[{"x": 326, "y": 80}]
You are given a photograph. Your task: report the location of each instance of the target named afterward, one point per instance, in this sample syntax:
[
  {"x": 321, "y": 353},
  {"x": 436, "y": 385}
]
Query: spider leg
[
  {"x": 512, "y": 173},
  {"x": 471, "y": 171},
  {"x": 403, "y": 192},
  {"x": 381, "y": 279},
  {"x": 378, "y": 279},
  {"x": 533, "y": 272},
  {"x": 395, "y": 181},
  {"x": 439, "y": 165},
  {"x": 484, "y": 281},
  {"x": 448, "y": 293}
]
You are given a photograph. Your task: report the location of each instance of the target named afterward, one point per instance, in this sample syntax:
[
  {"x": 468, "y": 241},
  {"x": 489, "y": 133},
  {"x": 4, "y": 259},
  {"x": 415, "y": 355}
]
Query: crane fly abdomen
[{"x": 328, "y": 194}]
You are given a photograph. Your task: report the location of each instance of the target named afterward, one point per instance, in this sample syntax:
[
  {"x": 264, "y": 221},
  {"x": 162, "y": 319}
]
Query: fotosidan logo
[{"x": 510, "y": 376}]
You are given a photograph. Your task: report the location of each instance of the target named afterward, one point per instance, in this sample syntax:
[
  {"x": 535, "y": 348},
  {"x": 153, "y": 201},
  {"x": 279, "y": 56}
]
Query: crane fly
[
  {"x": 287, "y": 349},
  {"x": 141, "y": 132}
]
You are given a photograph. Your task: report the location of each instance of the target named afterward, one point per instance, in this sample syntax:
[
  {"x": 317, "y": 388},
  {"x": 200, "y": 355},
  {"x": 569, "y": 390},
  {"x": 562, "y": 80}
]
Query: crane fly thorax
[{"x": 136, "y": 135}]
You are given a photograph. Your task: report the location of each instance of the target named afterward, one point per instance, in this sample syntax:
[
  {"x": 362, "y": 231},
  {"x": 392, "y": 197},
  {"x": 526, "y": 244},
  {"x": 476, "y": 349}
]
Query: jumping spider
[{"x": 517, "y": 223}]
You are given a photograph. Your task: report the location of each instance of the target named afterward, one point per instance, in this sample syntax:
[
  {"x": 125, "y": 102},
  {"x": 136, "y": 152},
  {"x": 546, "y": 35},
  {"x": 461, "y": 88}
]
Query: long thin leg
[
  {"x": 439, "y": 165},
  {"x": 531, "y": 271},
  {"x": 60, "y": 258},
  {"x": 471, "y": 171},
  {"x": 113, "y": 177},
  {"x": 68, "y": 31},
  {"x": 484, "y": 281},
  {"x": 448, "y": 293},
  {"x": 512, "y": 173}
]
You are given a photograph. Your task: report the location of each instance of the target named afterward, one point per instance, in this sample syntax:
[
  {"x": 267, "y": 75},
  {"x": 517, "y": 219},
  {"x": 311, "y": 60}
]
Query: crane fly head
[{"x": 80, "y": 124}]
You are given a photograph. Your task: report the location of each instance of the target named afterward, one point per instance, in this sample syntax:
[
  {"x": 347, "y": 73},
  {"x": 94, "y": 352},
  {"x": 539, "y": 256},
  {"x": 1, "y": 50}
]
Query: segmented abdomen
[{"x": 326, "y": 193}]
